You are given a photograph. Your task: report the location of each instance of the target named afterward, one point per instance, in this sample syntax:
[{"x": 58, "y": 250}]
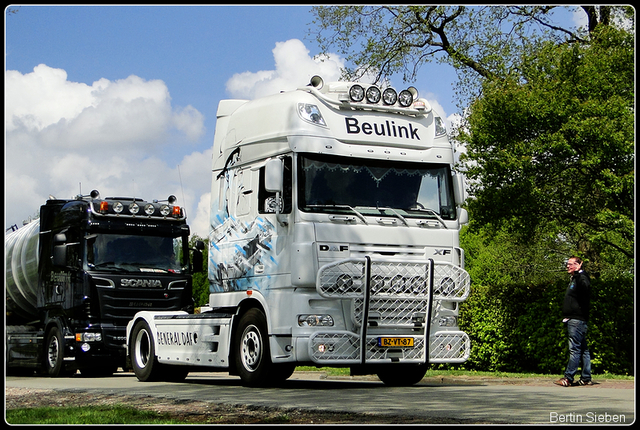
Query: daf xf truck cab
[{"x": 334, "y": 241}]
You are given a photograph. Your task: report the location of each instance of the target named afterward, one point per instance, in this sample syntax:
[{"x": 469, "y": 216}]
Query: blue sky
[{"x": 123, "y": 98}]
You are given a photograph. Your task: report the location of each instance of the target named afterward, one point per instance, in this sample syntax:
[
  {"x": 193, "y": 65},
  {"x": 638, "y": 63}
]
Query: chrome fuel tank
[{"x": 21, "y": 253}]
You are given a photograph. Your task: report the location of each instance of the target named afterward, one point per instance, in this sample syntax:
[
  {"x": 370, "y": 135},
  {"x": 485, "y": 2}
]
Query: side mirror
[
  {"x": 273, "y": 176},
  {"x": 459, "y": 189},
  {"x": 198, "y": 260},
  {"x": 463, "y": 216}
]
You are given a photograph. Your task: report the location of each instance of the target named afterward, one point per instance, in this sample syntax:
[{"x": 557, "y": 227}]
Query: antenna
[{"x": 181, "y": 189}]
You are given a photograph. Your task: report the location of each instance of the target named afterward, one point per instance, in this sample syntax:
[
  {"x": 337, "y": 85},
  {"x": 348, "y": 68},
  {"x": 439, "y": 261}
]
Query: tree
[
  {"x": 539, "y": 131},
  {"x": 480, "y": 42},
  {"x": 555, "y": 145}
]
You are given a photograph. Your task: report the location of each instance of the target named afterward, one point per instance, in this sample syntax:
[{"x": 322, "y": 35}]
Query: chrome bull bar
[{"x": 394, "y": 294}]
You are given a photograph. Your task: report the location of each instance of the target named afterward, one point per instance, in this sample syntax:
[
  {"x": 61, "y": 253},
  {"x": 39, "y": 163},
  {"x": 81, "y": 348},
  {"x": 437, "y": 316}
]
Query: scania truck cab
[
  {"x": 76, "y": 276},
  {"x": 334, "y": 241}
]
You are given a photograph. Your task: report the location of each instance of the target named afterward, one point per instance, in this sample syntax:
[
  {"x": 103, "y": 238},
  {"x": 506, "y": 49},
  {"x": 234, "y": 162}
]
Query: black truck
[{"x": 76, "y": 276}]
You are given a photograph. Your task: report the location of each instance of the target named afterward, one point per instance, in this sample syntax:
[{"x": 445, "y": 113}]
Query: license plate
[{"x": 391, "y": 342}]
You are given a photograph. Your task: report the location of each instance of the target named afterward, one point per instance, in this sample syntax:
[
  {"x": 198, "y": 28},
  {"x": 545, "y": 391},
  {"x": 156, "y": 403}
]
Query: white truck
[{"x": 334, "y": 242}]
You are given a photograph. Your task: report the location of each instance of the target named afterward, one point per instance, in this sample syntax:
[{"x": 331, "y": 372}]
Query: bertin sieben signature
[{"x": 587, "y": 418}]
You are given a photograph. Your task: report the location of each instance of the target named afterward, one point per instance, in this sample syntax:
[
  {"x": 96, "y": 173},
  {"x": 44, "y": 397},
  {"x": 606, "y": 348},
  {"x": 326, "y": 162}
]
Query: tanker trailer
[{"x": 78, "y": 274}]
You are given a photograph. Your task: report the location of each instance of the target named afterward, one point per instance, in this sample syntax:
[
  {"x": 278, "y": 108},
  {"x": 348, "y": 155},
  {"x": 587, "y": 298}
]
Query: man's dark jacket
[{"x": 577, "y": 298}]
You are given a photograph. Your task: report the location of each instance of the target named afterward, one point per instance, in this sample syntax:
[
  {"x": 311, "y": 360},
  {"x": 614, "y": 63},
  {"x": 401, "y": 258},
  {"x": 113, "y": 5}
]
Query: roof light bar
[{"x": 389, "y": 97}]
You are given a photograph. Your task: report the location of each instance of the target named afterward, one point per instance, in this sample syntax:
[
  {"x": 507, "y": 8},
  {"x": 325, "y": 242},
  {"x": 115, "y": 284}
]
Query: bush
[{"x": 520, "y": 329}]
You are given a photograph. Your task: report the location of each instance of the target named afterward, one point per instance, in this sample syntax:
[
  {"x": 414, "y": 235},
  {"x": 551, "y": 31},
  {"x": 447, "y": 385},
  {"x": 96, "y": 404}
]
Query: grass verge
[{"x": 116, "y": 414}]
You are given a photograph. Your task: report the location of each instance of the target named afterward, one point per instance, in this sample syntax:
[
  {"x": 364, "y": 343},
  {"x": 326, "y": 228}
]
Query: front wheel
[
  {"x": 143, "y": 358},
  {"x": 252, "y": 356},
  {"x": 402, "y": 375},
  {"x": 54, "y": 354},
  {"x": 143, "y": 354}
]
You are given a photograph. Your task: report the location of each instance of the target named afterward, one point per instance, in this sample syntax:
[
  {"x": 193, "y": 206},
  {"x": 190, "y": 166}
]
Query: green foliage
[
  {"x": 201, "y": 279},
  {"x": 554, "y": 145},
  {"x": 513, "y": 315}
]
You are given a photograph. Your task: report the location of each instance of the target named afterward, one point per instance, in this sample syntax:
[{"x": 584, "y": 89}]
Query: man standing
[{"x": 575, "y": 310}]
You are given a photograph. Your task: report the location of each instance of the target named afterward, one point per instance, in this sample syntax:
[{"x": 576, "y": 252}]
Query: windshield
[
  {"x": 119, "y": 252},
  {"x": 338, "y": 184}
]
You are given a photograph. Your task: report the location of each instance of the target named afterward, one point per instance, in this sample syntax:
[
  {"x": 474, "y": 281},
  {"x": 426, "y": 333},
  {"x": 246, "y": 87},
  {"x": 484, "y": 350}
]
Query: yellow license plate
[{"x": 395, "y": 342}]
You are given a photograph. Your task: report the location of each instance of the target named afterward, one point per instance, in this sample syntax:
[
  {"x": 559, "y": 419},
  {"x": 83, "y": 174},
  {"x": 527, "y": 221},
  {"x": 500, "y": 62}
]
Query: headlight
[
  {"x": 449, "y": 321},
  {"x": 88, "y": 337},
  {"x": 307, "y": 320},
  {"x": 311, "y": 113},
  {"x": 149, "y": 209},
  {"x": 165, "y": 210}
]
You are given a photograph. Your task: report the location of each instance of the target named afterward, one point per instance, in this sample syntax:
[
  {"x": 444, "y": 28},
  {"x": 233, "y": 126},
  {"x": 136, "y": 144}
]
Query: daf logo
[
  {"x": 334, "y": 248},
  {"x": 144, "y": 283}
]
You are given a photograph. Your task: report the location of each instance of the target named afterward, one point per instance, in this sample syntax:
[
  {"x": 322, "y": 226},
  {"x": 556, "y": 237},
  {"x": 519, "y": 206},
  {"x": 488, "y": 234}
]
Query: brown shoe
[
  {"x": 585, "y": 382},
  {"x": 564, "y": 382}
]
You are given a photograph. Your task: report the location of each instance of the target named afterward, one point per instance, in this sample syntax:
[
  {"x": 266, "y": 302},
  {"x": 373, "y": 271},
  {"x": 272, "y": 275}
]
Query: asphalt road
[{"x": 463, "y": 401}]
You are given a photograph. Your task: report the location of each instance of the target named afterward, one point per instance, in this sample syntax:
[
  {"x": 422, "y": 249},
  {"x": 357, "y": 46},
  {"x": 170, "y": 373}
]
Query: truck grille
[
  {"x": 118, "y": 306},
  {"x": 397, "y": 289}
]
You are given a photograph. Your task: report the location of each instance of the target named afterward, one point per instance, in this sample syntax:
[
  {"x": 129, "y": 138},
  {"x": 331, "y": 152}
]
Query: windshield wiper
[
  {"x": 355, "y": 211},
  {"x": 394, "y": 212},
  {"x": 107, "y": 265},
  {"x": 432, "y": 212}
]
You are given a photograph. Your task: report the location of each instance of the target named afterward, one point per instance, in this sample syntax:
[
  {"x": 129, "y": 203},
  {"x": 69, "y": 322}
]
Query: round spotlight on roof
[
  {"x": 373, "y": 94},
  {"x": 405, "y": 98},
  {"x": 356, "y": 93},
  {"x": 134, "y": 208},
  {"x": 389, "y": 96},
  {"x": 118, "y": 207}
]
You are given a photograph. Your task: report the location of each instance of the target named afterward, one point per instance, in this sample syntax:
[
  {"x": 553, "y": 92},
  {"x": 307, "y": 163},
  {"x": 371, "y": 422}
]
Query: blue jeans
[{"x": 578, "y": 350}]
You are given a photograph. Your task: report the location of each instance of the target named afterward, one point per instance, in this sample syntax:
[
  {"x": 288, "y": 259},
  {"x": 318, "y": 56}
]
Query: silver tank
[{"x": 21, "y": 251}]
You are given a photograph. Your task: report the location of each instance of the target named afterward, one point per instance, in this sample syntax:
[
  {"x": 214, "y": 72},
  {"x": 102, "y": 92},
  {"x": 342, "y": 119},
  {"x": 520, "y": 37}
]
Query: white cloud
[
  {"x": 294, "y": 67},
  {"x": 199, "y": 223},
  {"x": 64, "y": 137}
]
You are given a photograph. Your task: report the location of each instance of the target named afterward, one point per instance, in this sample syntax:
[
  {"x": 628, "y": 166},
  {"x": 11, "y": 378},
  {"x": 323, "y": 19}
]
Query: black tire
[
  {"x": 174, "y": 373},
  {"x": 54, "y": 354},
  {"x": 252, "y": 356},
  {"x": 143, "y": 353},
  {"x": 402, "y": 375},
  {"x": 144, "y": 361},
  {"x": 281, "y": 372},
  {"x": 96, "y": 372}
]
